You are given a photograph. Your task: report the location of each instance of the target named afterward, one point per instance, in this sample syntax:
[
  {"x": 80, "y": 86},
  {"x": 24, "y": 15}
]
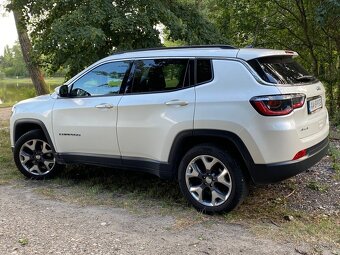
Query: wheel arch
[
  {"x": 23, "y": 126},
  {"x": 223, "y": 139}
]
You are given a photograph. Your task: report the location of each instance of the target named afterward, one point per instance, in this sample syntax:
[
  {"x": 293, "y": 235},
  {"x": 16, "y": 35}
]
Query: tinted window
[
  {"x": 159, "y": 75},
  {"x": 281, "y": 70},
  {"x": 103, "y": 80},
  {"x": 204, "y": 71}
]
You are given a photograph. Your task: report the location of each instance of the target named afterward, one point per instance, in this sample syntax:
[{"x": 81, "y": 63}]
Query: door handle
[
  {"x": 104, "y": 105},
  {"x": 177, "y": 102}
]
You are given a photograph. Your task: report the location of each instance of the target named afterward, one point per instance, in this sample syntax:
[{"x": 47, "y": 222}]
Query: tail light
[{"x": 277, "y": 105}]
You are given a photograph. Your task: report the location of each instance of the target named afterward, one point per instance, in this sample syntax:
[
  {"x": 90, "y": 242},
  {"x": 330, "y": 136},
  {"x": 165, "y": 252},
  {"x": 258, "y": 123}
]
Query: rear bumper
[{"x": 271, "y": 173}]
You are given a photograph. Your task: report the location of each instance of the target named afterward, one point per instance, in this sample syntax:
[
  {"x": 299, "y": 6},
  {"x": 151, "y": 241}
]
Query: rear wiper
[{"x": 305, "y": 78}]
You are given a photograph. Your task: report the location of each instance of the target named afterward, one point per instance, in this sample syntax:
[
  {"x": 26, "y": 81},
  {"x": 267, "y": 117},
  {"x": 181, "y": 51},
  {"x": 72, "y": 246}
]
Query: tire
[
  {"x": 211, "y": 180},
  {"x": 34, "y": 157}
]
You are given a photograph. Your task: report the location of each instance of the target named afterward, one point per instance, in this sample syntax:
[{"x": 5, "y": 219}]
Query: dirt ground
[
  {"x": 5, "y": 113},
  {"x": 31, "y": 223}
]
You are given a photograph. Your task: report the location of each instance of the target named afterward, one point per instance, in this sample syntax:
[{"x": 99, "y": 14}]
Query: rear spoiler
[{"x": 249, "y": 53}]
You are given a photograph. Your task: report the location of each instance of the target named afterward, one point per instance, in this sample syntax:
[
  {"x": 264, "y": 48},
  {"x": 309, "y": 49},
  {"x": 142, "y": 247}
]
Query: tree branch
[{"x": 287, "y": 10}]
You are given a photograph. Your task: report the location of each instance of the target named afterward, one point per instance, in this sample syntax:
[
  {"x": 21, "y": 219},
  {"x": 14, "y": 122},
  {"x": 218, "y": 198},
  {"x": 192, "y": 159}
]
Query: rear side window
[
  {"x": 281, "y": 70},
  {"x": 153, "y": 75},
  {"x": 204, "y": 70}
]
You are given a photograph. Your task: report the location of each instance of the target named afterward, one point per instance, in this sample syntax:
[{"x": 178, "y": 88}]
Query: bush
[{"x": 2, "y": 75}]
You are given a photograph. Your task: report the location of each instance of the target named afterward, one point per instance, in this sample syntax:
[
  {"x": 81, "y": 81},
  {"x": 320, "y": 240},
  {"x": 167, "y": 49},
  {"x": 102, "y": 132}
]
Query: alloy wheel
[
  {"x": 36, "y": 157},
  {"x": 208, "y": 180}
]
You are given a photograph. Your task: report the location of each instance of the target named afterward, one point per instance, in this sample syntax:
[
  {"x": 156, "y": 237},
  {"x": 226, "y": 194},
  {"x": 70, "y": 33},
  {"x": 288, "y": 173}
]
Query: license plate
[{"x": 314, "y": 105}]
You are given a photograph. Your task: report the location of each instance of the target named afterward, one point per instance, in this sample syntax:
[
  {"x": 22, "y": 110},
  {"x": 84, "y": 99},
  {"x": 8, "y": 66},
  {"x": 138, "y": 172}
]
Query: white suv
[{"x": 213, "y": 117}]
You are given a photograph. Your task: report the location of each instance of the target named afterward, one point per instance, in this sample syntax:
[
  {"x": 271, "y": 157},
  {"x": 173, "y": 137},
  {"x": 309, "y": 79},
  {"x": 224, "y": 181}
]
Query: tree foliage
[
  {"x": 12, "y": 63},
  {"x": 75, "y": 33},
  {"x": 309, "y": 27}
]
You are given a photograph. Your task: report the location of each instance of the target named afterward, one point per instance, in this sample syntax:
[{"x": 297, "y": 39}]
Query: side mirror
[{"x": 63, "y": 91}]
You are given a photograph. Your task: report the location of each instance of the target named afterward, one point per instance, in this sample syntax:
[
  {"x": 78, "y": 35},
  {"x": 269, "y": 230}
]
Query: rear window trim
[{"x": 212, "y": 71}]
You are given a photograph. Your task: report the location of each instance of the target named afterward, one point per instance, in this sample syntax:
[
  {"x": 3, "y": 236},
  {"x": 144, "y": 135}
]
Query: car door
[
  {"x": 158, "y": 103},
  {"x": 85, "y": 122}
]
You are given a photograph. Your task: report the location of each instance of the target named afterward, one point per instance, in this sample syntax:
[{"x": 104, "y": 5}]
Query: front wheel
[
  {"x": 34, "y": 157},
  {"x": 211, "y": 179}
]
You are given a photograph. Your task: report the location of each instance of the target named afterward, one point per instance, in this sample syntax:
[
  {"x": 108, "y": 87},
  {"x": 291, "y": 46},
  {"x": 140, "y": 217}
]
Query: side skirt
[{"x": 160, "y": 169}]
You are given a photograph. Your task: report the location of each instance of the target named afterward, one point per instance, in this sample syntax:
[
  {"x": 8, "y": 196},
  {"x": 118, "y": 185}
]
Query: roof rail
[{"x": 218, "y": 46}]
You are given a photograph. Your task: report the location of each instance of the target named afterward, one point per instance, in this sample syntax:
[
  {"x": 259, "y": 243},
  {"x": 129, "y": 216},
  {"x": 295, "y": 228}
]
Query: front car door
[{"x": 84, "y": 124}]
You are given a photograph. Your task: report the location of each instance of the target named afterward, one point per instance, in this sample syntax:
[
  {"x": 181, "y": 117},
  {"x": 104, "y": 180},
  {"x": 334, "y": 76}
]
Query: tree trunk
[{"x": 26, "y": 47}]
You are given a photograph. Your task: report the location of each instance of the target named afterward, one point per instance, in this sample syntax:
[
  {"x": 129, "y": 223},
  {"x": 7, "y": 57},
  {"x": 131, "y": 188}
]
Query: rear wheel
[
  {"x": 211, "y": 179},
  {"x": 34, "y": 157}
]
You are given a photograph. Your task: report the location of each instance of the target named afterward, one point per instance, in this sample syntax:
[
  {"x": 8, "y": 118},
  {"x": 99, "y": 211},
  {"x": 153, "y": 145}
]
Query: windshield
[{"x": 281, "y": 70}]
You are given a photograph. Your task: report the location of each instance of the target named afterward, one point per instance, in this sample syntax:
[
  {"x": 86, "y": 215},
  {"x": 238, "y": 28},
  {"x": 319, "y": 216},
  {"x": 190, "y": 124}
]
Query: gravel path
[{"x": 32, "y": 224}]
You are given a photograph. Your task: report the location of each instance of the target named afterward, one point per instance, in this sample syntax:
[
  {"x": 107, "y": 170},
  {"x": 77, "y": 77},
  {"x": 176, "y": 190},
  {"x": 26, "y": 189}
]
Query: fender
[
  {"x": 233, "y": 138},
  {"x": 195, "y": 135},
  {"x": 26, "y": 122}
]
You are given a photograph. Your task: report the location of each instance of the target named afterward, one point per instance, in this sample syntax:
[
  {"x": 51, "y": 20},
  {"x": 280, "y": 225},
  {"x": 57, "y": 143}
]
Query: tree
[
  {"x": 75, "y": 33},
  {"x": 328, "y": 14},
  {"x": 12, "y": 63},
  {"x": 308, "y": 27},
  {"x": 26, "y": 48}
]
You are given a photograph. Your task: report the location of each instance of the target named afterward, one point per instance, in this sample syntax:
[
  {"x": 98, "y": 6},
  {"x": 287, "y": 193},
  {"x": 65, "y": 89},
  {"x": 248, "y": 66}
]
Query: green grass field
[{"x": 49, "y": 81}]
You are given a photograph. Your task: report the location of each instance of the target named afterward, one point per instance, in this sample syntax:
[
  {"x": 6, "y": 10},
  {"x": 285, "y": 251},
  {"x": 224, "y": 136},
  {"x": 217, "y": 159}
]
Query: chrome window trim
[{"x": 242, "y": 61}]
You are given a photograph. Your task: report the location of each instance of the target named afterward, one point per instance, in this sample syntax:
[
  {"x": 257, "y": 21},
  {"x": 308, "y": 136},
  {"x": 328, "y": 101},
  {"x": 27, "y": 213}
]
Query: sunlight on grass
[
  {"x": 8, "y": 170},
  {"x": 49, "y": 81}
]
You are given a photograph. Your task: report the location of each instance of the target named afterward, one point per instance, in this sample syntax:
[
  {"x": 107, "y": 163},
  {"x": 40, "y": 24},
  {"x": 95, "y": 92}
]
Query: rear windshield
[{"x": 281, "y": 70}]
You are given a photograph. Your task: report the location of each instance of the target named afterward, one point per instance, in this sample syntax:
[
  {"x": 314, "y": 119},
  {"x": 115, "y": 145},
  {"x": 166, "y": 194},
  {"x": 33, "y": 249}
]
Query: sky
[{"x": 8, "y": 32}]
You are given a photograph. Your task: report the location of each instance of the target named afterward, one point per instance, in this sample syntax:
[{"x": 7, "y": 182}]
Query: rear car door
[
  {"x": 158, "y": 103},
  {"x": 85, "y": 122}
]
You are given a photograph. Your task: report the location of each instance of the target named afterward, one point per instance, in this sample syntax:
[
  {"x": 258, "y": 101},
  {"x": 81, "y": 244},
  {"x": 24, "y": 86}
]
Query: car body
[{"x": 253, "y": 110}]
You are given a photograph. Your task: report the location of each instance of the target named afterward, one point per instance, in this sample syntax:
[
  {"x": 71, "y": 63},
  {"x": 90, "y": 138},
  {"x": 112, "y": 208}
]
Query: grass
[
  {"x": 317, "y": 186},
  {"x": 335, "y": 155},
  {"x": 263, "y": 212},
  {"x": 335, "y": 151},
  {"x": 23, "y": 241},
  {"x": 49, "y": 80},
  {"x": 8, "y": 170},
  {"x": 131, "y": 190},
  {"x": 304, "y": 228},
  {"x": 5, "y": 105}
]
